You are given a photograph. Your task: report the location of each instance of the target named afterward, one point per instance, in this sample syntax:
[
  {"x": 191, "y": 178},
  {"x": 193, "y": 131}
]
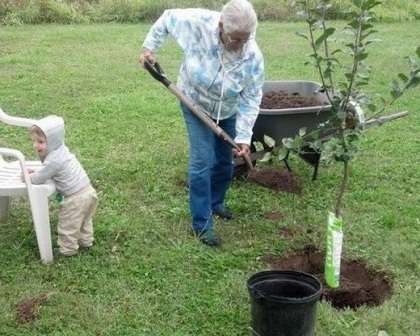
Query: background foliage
[{"x": 15, "y": 12}]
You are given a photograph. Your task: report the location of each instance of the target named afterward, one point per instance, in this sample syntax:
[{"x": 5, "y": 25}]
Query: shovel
[{"x": 157, "y": 73}]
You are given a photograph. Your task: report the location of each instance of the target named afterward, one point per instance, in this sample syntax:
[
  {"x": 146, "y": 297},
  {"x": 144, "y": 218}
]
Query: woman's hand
[
  {"x": 244, "y": 150},
  {"x": 147, "y": 55}
]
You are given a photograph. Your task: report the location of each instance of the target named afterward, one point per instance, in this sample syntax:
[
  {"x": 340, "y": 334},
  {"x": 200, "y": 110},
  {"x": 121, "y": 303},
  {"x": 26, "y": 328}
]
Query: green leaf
[
  {"x": 371, "y": 107},
  {"x": 287, "y": 142},
  {"x": 350, "y": 46},
  {"x": 283, "y": 153},
  {"x": 414, "y": 82},
  {"x": 302, "y": 35},
  {"x": 328, "y": 32},
  {"x": 348, "y": 75},
  {"x": 362, "y": 83},
  {"x": 353, "y": 24},
  {"x": 418, "y": 51},
  {"x": 403, "y": 77},
  {"x": 396, "y": 90},
  {"x": 363, "y": 75},
  {"x": 302, "y": 131},
  {"x": 366, "y": 26},
  {"x": 370, "y": 4},
  {"x": 266, "y": 157},
  {"x": 412, "y": 61},
  {"x": 259, "y": 147},
  {"x": 270, "y": 142},
  {"x": 361, "y": 56},
  {"x": 357, "y": 3},
  {"x": 311, "y": 22}
]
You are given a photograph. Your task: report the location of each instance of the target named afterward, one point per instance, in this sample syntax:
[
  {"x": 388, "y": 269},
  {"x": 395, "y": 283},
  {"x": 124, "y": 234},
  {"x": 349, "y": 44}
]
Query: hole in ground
[{"x": 359, "y": 285}]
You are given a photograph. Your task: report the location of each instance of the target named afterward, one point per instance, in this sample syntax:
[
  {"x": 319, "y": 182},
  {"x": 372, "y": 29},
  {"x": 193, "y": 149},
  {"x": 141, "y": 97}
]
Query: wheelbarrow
[{"x": 286, "y": 123}]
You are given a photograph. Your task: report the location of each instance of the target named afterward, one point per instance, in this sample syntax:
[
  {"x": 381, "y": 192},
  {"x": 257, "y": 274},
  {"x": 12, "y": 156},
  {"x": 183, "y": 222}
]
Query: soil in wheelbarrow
[
  {"x": 278, "y": 180},
  {"x": 359, "y": 284},
  {"x": 283, "y": 100}
]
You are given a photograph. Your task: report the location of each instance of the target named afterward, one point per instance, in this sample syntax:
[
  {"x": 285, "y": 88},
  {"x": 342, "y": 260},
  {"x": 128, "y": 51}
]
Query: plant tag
[{"x": 333, "y": 250}]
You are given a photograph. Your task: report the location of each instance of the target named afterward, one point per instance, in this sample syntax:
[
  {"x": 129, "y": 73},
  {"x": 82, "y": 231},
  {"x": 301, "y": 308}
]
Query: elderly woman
[{"x": 223, "y": 72}]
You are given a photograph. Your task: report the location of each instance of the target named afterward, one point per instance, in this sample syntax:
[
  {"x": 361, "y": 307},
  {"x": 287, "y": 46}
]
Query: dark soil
[
  {"x": 359, "y": 285},
  {"x": 28, "y": 309},
  {"x": 283, "y": 100},
  {"x": 278, "y": 180}
]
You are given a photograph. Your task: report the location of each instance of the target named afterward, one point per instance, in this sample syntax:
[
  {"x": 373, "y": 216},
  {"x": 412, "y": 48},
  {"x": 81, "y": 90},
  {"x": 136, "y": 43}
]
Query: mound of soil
[
  {"x": 278, "y": 180},
  {"x": 28, "y": 309},
  {"x": 283, "y": 100},
  {"x": 359, "y": 285}
]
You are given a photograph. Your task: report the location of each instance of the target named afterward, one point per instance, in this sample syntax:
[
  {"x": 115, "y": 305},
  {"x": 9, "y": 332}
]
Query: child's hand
[{"x": 30, "y": 171}]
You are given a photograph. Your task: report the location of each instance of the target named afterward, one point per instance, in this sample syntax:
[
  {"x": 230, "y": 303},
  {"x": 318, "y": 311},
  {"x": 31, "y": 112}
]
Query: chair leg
[
  {"x": 41, "y": 218},
  {"x": 4, "y": 208}
]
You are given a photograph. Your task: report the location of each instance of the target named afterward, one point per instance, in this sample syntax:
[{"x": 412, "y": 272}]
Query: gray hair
[{"x": 239, "y": 16}]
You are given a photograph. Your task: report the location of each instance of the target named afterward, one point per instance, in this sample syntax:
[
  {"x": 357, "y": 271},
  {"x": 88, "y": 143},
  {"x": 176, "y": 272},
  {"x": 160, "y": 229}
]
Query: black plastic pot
[{"x": 283, "y": 303}]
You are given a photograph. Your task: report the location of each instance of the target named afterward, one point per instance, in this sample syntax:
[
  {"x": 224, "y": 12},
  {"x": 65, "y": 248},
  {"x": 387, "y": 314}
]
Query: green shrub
[
  {"x": 15, "y": 12},
  {"x": 12, "y": 19},
  {"x": 274, "y": 10},
  {"x": 56, "y": 11},
  {"x": 118, "y": 11}
]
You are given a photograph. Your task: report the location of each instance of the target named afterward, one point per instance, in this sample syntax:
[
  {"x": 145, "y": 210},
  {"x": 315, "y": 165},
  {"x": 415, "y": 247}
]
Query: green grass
[{"x": 146, "y": 275}]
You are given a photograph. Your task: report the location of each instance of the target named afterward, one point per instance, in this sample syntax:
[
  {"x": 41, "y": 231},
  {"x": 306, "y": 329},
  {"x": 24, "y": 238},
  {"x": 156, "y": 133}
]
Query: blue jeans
[{"x": 210, "y": 168}]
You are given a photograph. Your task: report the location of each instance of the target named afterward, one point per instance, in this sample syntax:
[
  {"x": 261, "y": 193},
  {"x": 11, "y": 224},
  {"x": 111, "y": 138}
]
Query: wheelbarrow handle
[{"x": 157, "y": 72}]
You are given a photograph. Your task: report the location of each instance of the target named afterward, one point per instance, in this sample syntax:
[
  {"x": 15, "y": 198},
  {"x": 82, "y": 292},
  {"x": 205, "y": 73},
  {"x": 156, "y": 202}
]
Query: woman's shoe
[
  {"x": 208, "y": 238},
  {"x": 223, "y": 212}
]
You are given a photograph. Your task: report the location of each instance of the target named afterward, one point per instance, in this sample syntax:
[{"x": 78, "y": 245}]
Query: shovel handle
[{"x": 157, "y": 72}]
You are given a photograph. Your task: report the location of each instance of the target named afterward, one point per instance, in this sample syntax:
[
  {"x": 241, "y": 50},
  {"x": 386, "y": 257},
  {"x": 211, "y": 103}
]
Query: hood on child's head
[{"x": 53, "y": 128}]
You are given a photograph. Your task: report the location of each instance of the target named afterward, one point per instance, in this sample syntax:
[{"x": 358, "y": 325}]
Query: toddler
[{"x": 75, "y": 227}]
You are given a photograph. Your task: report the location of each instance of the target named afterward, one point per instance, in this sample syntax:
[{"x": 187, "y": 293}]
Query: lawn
[{"x": 146, "y": 275}]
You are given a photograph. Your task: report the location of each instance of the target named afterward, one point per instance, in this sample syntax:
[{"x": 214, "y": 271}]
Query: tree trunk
[{"x": 342, "y": 189}]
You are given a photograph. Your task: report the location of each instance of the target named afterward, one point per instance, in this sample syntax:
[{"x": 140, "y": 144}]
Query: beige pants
[{"x": 75, "y": 226}]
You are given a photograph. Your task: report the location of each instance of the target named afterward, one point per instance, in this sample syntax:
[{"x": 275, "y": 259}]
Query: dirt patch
[
  {"x": 287, "y": 233},
  {"x": 182, "y": 183},
  {"x": 278, "y": 180},
  {"x": 282, "y": 100},
  {"x": 28, "y": 309},
  {"x": 273, "y": 215},
  {"x": 359, "y": 285}
]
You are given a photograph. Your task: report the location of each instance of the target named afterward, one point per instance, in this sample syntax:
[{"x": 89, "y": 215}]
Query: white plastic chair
[{"x": 11, "y": 185}]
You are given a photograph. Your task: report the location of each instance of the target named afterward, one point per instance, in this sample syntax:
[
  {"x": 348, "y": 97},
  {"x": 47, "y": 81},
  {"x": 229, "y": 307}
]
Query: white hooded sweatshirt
[{"x": 59, "y": 165}]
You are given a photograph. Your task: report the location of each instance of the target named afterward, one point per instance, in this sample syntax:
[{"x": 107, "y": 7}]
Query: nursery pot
[{"x": 283, "y": 303}]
